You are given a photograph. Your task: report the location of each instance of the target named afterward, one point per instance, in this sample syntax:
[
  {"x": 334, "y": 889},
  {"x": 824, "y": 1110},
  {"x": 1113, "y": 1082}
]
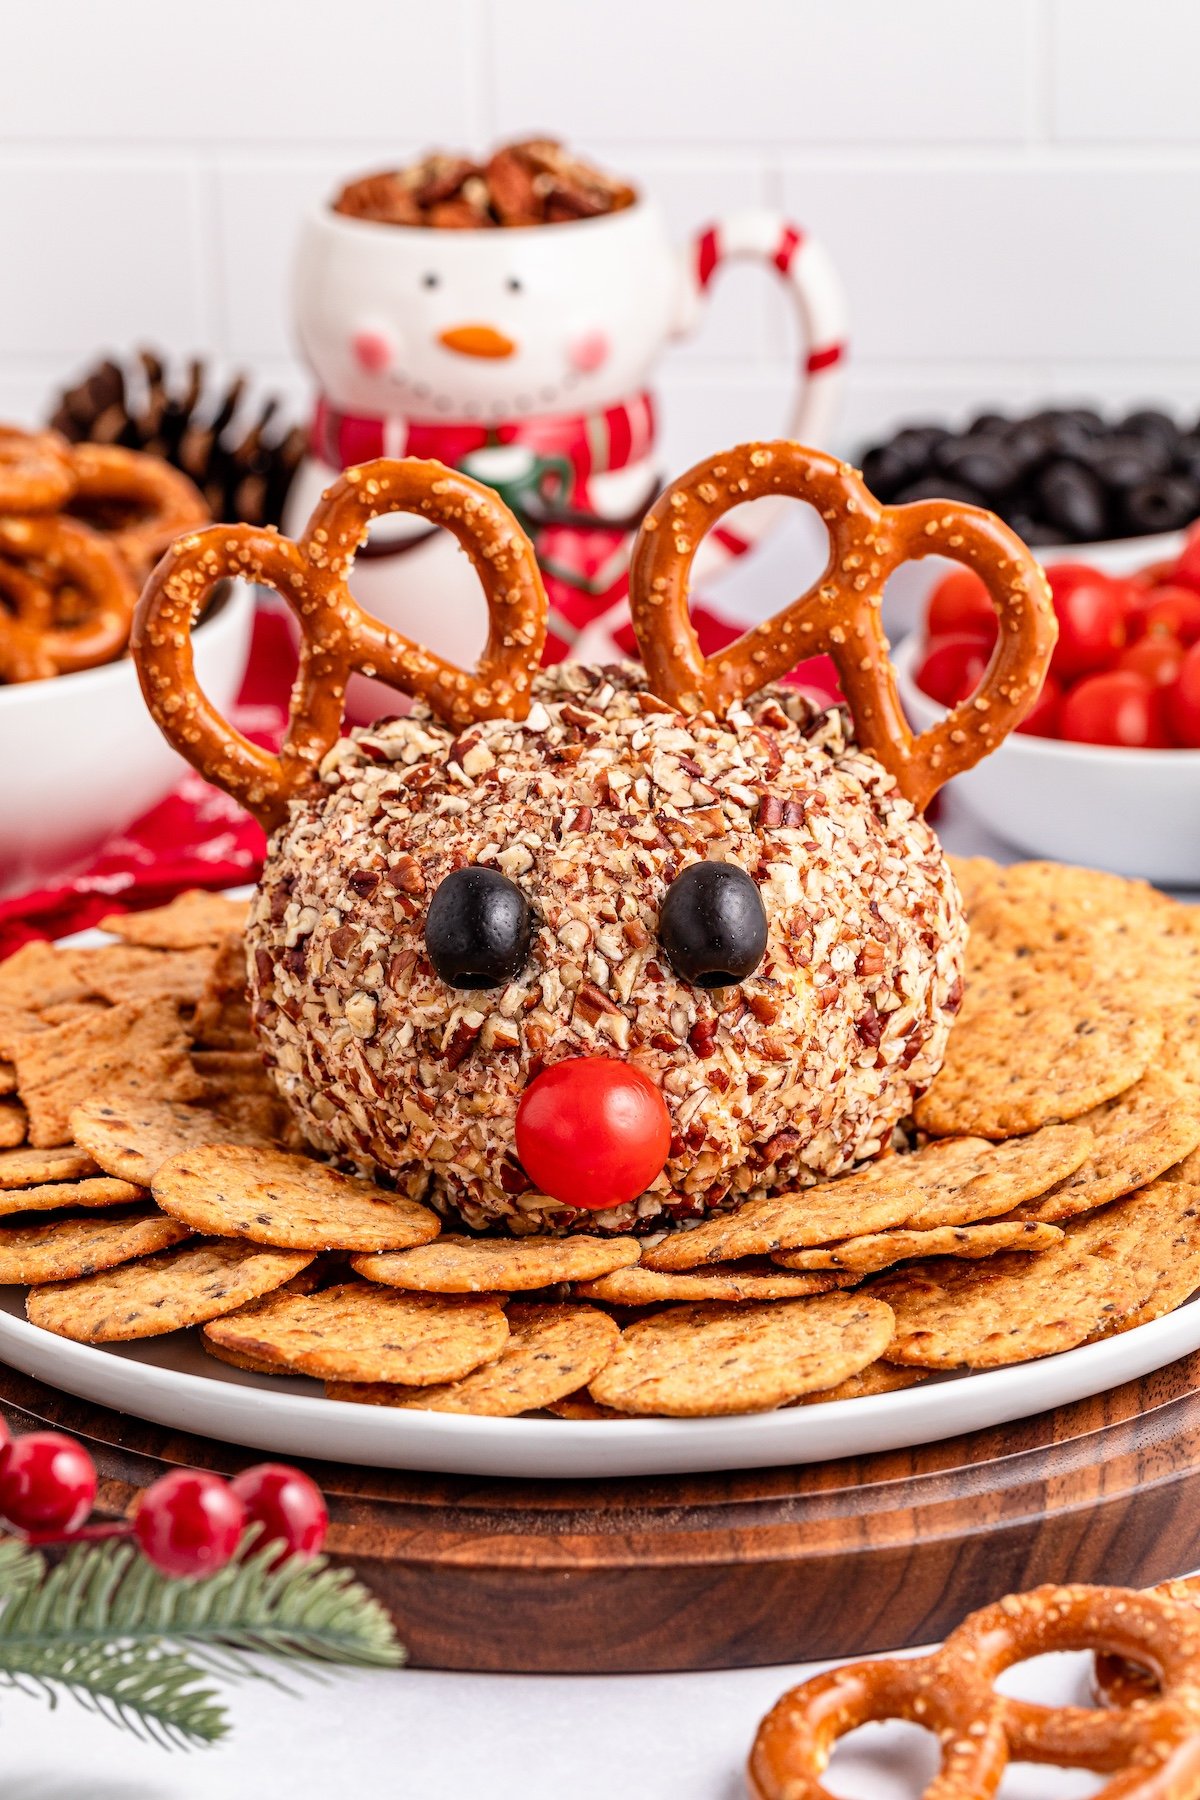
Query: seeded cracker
[
  {"x": 1008, "y": 1308},
  {"x": 953, "y": 1183},
  {"x": 70, "y": 1248},
  {"x": 14, "y": 1124},
  {"x": 193, "y": 919},
  {"x": 551, "y": 1351},
  {"x": 36, "y": 976},
  {"x": 239, "y": 1190},
  {"x": 1138, "y": 1136},
  {"x": 27, "y": 1168},
  {"x": 119, "y": 972},
  {"x": 94, "y": 1191},
  {"x": 1164, "y": 1259},
  {"x": 135, "y": 1140},
  {"x": 134, "y": 1051},
  {"x": 184, "y": 1286},
  {"x": 739, "y": 1283},
  {"x": 700, "y": 1361},
  {"x": 460, "y": 1265},
  {"x": 306, "y": 1282},
  {"x": 360, "y": 1332},
  {"x": 879, "y": 1250},
  {"x": 876, "y": 1378}
]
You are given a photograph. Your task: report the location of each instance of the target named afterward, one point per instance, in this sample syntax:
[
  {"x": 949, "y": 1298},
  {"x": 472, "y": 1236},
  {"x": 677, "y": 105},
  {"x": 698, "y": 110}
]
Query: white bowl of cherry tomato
[{"x": 1105, "y": 770}]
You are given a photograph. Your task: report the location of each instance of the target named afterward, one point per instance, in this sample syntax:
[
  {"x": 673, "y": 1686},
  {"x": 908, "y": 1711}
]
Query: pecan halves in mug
[
  {"x": 66, "y": 598},
  {"x": 337, "y": 637},
  {"x": 840, "y": 613}
]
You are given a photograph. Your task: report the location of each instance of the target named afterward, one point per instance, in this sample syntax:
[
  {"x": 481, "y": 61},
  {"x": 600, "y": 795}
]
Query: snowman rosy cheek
[
  {"x": 372, "y": 351},
  {"x": 588, "y": 352}
]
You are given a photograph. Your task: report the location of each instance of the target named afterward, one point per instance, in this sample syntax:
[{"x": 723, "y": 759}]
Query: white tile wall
[{"x": 1011, "y": 187}]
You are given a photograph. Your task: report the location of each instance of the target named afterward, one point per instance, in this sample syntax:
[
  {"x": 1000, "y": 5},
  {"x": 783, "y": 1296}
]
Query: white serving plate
[{"x": 172, "y": 1381}]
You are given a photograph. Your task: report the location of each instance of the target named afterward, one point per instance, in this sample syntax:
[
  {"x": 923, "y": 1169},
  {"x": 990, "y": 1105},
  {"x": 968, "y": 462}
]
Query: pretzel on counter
[
  {"x": 840, "y": 613},
  {"x": 1152, "y": 1747},
  {"x": 35, "y": 471},
  {"x": 337, "y": 636},
  {"x": 42, "y": 559},
  {"x": 1119, "y": 1681},
  {"x": 139, "y": 502}
]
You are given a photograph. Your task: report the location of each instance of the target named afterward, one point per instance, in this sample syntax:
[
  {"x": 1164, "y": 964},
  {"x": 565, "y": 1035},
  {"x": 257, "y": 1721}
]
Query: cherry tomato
[
  {"x": 1183, "y": 702},
  {"x": 1042, "y": 718},
  {"x": 1156, "y": 656},
  {"x": 952, "y": 668},
  {"x": 1091, "y": 619},
  {"x": 959, "y": 604},
  {"x": 592, "y": 1131},
  {"x": 1120, "y": 707},
  {"x": 1186, "y": 572},
  {"x": 1169, "y": 611}
]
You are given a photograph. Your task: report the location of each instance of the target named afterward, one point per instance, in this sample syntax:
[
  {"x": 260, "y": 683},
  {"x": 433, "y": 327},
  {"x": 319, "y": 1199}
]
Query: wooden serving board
[{"x": 722, "y": 1571}]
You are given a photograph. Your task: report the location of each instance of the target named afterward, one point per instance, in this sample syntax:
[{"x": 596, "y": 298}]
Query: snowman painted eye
[
  {"x": 430, "y": 279},
  {"x": 514, "y": 284}
]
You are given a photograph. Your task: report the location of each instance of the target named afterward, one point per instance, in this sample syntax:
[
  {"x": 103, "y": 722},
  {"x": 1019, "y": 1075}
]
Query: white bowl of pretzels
[{"x": 80, "y": 528}]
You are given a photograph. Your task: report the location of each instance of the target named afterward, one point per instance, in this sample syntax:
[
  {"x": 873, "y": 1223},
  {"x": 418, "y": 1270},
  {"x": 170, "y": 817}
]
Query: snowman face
[{"x": 485, "y": 325}]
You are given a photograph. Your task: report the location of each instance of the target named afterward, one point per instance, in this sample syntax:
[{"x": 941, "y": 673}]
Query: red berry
[
  {"x": 960, "y": 603},
  {"x": 1091, "y": 619},
  {"x": 1183, "y": 702},
  {"x": 47, "y": 1483},
  {"x": 189, "y": 1523},
  {"x": 1118, "y": 708},
  {"x": 1168, "y": 611},
  {"x": 288, "y": 1505},
  {"x": 1155, "y": 656},
  {"x": 951, "y": 668},
  {"x": 1042, "y": 718},
  {"x": 592, "y": 1132}
]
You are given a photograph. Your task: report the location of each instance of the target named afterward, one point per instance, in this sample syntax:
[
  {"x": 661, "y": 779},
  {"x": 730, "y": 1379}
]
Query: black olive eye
[
  {"x": 712, "y": 925},
  {"x": 514, "y": 284},
  {"x": 478, "y": 928},
  {"x": 431, "y": 280}
]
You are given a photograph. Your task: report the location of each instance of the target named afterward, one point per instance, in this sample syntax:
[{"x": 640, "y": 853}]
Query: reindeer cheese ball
[{"x": 601, "y": 948}]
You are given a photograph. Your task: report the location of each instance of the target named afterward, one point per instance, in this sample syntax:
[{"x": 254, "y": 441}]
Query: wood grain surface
[{"x": 729, "y": 1570}]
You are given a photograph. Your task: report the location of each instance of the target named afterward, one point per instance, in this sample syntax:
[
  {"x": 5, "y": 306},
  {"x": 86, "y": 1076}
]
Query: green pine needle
[{"x": 106, "y": 1627}]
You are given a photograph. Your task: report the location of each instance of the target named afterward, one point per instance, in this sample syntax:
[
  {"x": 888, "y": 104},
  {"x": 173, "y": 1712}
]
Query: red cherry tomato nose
[{"x": 592, "y": 1132}]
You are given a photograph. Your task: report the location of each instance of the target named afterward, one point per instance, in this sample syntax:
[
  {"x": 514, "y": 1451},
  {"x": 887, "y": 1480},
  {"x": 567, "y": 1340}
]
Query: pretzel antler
[
  {"x": 840, "y": 613},
  {"x": 337, "y": 636}
]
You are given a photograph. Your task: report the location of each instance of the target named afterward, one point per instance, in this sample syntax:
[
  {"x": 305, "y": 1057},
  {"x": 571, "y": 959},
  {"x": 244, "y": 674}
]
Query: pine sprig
[{"x": 108, "y": 1628}]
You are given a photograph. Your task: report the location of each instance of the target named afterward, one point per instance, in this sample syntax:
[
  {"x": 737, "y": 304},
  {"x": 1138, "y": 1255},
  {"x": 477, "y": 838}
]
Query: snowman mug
[{"x": 522, "y": 356}]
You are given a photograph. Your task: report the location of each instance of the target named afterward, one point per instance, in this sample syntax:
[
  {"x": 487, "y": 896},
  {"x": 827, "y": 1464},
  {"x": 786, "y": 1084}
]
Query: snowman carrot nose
[{"x": 477, "y": 340}]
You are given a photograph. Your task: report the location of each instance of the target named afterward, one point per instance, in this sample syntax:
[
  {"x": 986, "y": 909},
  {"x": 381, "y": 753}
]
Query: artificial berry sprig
[
  {"x": 210, "y": 1577},
  {"x": 188, "y": 1523}
]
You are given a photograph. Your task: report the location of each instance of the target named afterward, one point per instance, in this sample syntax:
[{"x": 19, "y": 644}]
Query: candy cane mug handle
[{"x": 816, "y": 293}]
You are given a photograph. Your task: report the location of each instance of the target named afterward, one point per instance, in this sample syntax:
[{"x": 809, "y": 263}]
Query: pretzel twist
[
  {"x": 140, "y": 503},
  {"x": 35, "y": 473},
  {"x": 43, "y": 558},
  {"x": 840, "y": 613},
  {"x": 337, "y": 636},
  {"x": 1152, "y": 1747},
  {"x": 1120, "y": 1681}
]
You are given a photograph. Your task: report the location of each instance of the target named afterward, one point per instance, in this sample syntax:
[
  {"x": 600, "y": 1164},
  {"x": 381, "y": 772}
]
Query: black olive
[
  {"x": 885, "y": 471},
  {"x": 1149, "y": 421},
  {"x": 712, "y": 927},
  {"x": 1123, "y": 460},
  {"x": 478, "y": 928},
  {"x": 1072, "y": 498},
  {"x": 940, "y": 487},
  {"x": 1188, "y": 457},
  {"x": 1165, "y": 504},
  {"x": 979, "y": 462},
  {"x": 987, "y": 424}
]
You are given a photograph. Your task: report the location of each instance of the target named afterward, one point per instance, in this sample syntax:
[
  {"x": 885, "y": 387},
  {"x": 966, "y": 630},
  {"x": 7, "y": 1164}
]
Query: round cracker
[
  {"x": 700, "y": 1361},
  {"x": 551, "y": 1351},
  {"x": 181, "y": 1287},
  {"x": 463, "y": 1265},
  {"x": 134, "y": 1139},
  {"x": 360, "y": 1332},
  {"x": 879, "y": 1250},
  {"x": 27, "y": 1167},
  {"x": 643, "y": 1287},
  {"x": 291, "y": 1202},
  {"x": 70, "y": 1248},
  {"x": 62, "y": 1196},
  {"x": 1138, "y": 1136}
]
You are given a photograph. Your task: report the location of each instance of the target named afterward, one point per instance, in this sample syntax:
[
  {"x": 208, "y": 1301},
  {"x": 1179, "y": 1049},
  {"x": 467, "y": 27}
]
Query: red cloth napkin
[{"x": 197, "y": 837}]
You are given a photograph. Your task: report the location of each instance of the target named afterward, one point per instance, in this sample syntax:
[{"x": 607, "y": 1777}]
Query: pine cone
[{"x": 244, "y": 470}]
